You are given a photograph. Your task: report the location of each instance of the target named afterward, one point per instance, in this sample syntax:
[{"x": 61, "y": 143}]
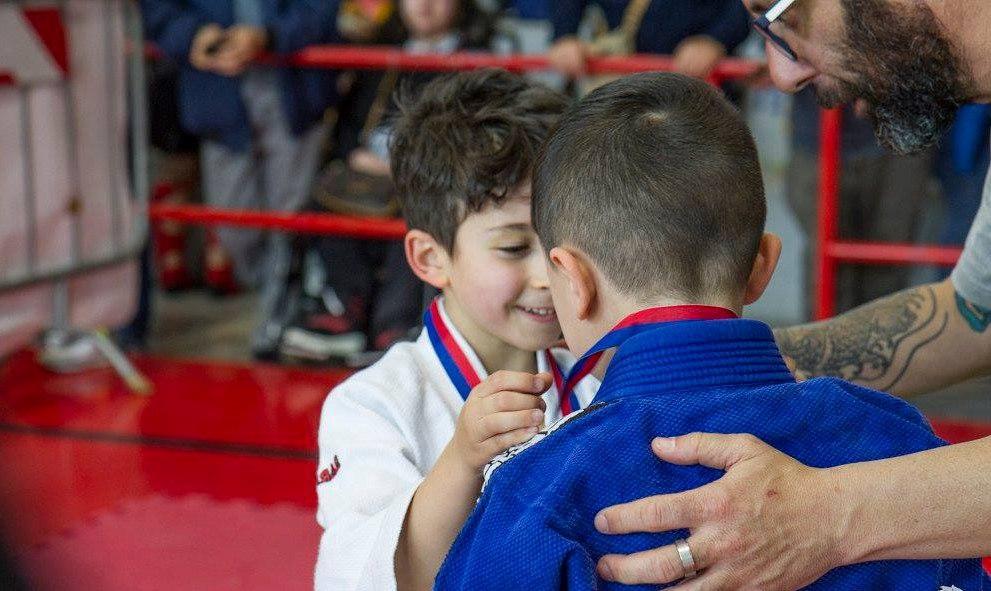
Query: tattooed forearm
[{"x": 873, "y": 344}]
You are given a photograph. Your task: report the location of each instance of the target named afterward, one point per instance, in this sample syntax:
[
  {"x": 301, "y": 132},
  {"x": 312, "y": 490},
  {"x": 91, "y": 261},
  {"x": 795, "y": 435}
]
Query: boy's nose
[
  {"x": 538, "y": 272},
  {"x": 787, "y": 75}
]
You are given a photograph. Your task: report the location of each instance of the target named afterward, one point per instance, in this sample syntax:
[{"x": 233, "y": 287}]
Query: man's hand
[
  {"x": 568, "y": 55},
  {"x": 698, "y": 56},
  {"x": 502, "y": 411},
  {"x": 202, "y": 52},
  {"x": 765, "y": 525},
  {"x": 244, "y": 44}
]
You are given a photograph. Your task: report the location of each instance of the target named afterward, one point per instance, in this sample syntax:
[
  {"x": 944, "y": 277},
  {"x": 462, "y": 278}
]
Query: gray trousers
[
  {"x": 882, "y": 198},
  {"x": 275, "y": 173}
]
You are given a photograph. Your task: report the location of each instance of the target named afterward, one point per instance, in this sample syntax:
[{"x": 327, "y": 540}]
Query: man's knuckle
[
  {"x": 716, "y": 504},
  {"x": 749, "y": 441}
]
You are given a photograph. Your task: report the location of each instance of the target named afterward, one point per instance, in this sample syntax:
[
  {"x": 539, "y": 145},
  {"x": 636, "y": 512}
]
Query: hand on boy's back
[{"x": 504, "y": 410}]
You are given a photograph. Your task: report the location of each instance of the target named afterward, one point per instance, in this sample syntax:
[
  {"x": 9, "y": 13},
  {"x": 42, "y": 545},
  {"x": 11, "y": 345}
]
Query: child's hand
[{"x": 502, "y": 411}]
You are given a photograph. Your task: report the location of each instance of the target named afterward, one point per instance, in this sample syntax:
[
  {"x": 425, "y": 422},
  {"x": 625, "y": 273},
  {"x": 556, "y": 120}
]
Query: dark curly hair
[{"x": 466, "y": 141}]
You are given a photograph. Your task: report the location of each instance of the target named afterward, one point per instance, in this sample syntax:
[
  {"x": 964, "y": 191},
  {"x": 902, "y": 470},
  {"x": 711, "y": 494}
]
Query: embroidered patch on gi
[
  {"x": 519, "y": 448},
  {"x": 328, "y": 474},
  {"x": 953, "y": 588}
]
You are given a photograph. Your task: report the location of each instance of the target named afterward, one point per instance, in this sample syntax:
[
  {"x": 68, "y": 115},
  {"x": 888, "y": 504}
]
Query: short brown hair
[
  {"x": 466, "y": 141},
  {"x": 656, "y": 177}
]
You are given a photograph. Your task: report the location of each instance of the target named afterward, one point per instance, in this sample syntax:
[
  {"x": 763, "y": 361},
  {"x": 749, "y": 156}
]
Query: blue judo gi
[{"x": 533, "y": 526}]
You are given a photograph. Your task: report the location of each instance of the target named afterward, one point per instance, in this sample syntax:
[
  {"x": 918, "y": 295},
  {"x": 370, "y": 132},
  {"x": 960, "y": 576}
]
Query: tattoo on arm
[
  {"x": 872, "y": 344},
  {"x": 977, "y": 318}
]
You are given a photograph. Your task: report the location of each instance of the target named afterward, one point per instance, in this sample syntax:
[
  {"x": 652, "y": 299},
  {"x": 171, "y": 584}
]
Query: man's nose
[{"x": 789, "y": 76}]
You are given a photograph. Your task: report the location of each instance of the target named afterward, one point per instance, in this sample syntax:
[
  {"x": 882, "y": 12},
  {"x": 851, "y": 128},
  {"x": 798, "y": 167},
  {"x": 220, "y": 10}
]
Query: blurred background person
[
  {"x": 261, "y": 128},
  {"x": 362, "y": 295},
  {"x": 697, "y": 33}
]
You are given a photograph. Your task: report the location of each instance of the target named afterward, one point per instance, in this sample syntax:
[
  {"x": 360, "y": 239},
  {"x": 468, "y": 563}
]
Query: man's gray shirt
[{"x": 972, "y": 275}]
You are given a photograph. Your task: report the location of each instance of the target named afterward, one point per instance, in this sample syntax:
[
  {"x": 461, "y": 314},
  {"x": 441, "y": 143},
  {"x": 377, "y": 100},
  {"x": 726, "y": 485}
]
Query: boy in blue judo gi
[{"x": 649, "y": 202}]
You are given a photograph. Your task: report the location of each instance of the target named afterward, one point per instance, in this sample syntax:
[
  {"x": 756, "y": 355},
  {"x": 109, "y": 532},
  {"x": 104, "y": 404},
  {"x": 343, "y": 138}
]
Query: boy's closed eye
[
  {"x": 518, "y": 250},
  {"x": 512, "y": 241}
]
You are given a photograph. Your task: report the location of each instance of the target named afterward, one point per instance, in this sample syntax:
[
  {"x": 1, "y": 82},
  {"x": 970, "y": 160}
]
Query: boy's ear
[
  {"x": 428, "y": 259},
  {"x": 760, "y": 275},
  {"x": 582, "y": 288}
]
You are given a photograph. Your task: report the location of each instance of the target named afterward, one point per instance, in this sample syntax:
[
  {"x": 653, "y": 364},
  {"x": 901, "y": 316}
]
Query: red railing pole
[{"x": 829, "y": 212}]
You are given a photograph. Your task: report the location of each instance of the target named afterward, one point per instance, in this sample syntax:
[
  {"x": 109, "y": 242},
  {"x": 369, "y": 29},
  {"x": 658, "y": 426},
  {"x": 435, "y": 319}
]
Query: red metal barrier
[
  {"x": 829, "y": 193},
  {"x": 830, "y": 251},
  {"x": 305, "y": 223},
  {"x": 372, "y": 57}
]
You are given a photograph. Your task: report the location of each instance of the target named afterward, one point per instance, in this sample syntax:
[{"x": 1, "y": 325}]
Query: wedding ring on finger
[{"x": 686, "y": 557}]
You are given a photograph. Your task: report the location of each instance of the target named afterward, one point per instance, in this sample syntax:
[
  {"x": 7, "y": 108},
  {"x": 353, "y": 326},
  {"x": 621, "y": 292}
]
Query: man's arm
[
  {"x": 773, "y": 524},
  {"x": 914, "y": 341}
]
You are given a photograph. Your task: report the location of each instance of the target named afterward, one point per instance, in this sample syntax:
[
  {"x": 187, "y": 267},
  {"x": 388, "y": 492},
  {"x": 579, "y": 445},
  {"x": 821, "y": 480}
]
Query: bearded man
[{"x": 771, "y": 523}]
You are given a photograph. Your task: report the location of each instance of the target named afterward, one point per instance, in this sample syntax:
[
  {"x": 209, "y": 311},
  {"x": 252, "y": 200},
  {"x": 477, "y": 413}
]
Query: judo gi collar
[
  {"x": 458, "y": 366},
  {"x": 631, "y": 326},
  {"x": 680, "y": 357}
]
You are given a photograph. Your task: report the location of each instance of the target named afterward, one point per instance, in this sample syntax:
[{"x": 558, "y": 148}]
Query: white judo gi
[{"x": 381, "y": 432}]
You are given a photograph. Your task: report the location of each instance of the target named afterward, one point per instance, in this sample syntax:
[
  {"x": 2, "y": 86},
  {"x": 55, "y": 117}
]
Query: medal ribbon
[
  {"x": 455, "y": 362},
  {"x": 459, "y": 368},
  {"x": 630, "y": 327}
]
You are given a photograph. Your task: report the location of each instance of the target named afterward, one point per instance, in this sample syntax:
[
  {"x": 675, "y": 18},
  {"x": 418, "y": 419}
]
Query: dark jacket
[
  {"x": 666, "y": 23},
  {"x": 211, "y": 105}
]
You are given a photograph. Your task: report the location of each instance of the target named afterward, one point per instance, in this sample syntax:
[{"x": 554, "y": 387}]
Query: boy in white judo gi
[{"x": 403, "y": 443}]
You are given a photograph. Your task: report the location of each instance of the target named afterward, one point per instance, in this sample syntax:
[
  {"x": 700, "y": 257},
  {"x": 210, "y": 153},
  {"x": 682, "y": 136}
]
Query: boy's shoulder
[
  {"x": 403, "y": 377},
  {"x": 873, "y": 400},
  {"x": 825, "y": 421}
]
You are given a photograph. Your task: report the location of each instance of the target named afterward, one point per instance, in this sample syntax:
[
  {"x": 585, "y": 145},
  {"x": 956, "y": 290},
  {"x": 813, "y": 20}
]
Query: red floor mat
[
  {"x": 190, "y": 544},
  {"x": 208, "y": 484}
]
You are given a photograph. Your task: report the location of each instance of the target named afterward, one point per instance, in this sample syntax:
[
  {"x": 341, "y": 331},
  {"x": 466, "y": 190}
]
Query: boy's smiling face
[{"x": 497, "y": 289}]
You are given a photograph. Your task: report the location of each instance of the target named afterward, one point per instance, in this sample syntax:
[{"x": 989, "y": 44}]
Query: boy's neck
[
  {"x": 614, "y": 310},
  {"x": 494, "y": 353}
]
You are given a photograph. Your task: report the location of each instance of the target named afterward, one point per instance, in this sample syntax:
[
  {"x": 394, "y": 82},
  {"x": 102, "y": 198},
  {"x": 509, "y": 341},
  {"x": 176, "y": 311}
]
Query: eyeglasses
[{"x": 763, "y": 26}]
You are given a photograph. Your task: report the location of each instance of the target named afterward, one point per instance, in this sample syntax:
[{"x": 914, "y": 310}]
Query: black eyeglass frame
[{"x": 762, "y": 25}]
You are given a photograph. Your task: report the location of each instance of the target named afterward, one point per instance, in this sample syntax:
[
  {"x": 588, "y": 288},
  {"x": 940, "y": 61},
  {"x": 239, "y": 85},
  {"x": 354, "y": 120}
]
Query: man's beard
[{"x": 907, "y": 73}]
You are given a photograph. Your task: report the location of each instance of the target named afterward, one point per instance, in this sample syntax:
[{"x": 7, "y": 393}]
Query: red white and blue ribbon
[
  {"x": 460, "y": 370},
  {"x": 567, "y": 398},
  {"x": 630, "y": 327},
  {"x": 455, "y": 361}
]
